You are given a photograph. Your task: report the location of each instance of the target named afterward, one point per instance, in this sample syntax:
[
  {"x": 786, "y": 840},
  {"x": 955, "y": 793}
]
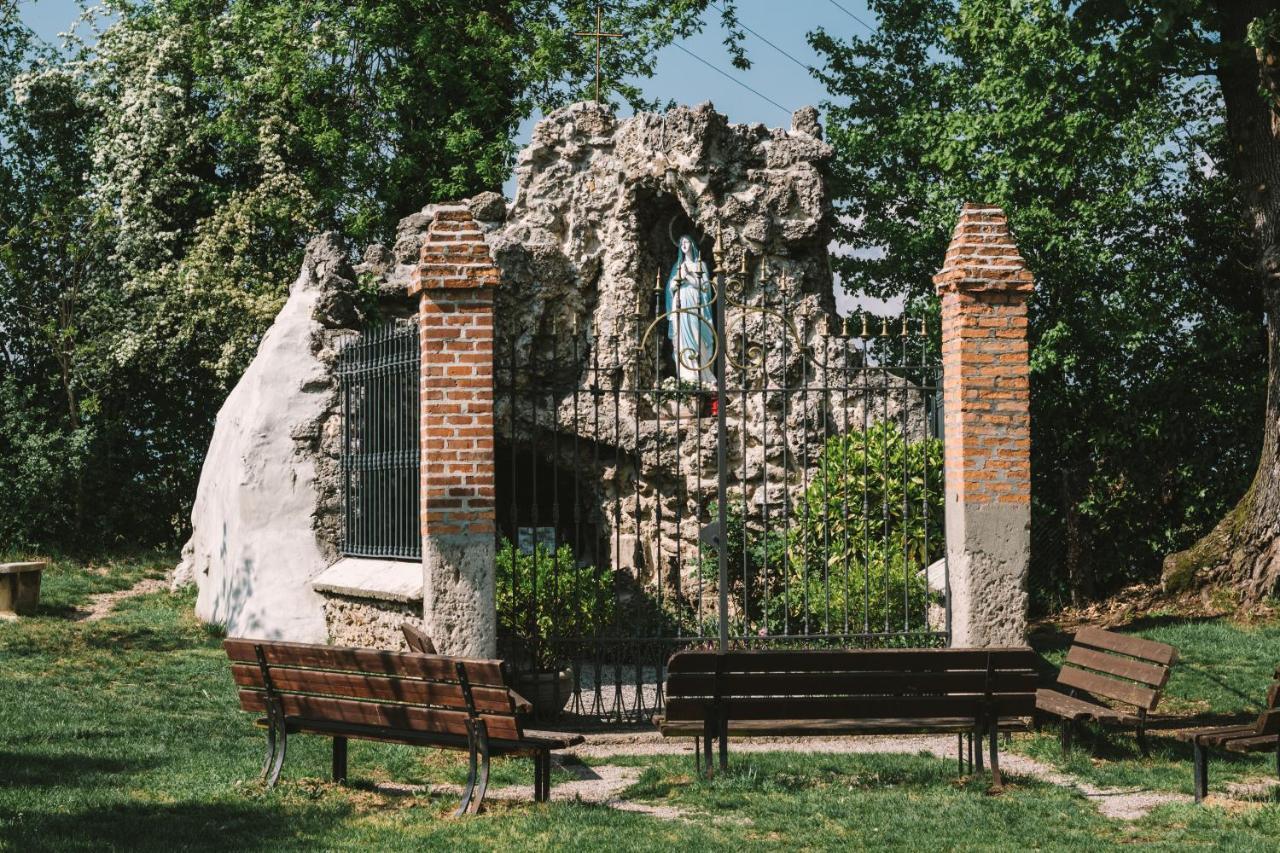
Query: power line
[
  {"x": 851, "y": 15},
  {"x": 803, "y": 65},
  {"x": 731, "y": 77}
]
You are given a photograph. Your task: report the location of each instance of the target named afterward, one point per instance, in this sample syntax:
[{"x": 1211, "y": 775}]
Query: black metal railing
[
  {"x": 379, "y": 380},
  {"x": 612, "y": 546}
]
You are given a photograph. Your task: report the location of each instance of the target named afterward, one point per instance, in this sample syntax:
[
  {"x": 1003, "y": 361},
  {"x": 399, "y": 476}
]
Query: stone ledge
[{"x": 370, "y": 577}]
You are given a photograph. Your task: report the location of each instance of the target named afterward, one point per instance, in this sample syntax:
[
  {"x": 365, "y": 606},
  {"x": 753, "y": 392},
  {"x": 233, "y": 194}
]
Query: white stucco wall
[{"x": 253, "y": 549}]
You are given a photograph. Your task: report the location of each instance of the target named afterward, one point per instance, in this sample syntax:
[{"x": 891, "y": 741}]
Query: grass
[
  {"x": 1221, "y": 677},
  {"x": 124, "y": 734},
  {"x": 67, "y": 583}
]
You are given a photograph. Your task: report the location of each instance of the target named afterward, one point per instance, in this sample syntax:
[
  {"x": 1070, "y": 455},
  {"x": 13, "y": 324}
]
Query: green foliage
[
  {"x": 850, "y": 555},
  {"x": 161, "y": 172},
  {"x": 547, "y": 595},
  {"x": 866, "y": 529},
  {"x": 1148, "y": 367}
]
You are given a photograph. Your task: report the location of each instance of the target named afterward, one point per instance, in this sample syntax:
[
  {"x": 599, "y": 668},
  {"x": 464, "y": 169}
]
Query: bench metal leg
[
  {"x": 1278, "y": 769},
  {"x": 271, "y": 743},
  {"x": 997, "y": 781},
  {"x": 482, "y": 786},
  {"x": 1201, "y": 770},
  {"x": 960, "y": 751},
  {"x": 340, "y": 760},
  {"x": 977, "y": 747},
  {"x": 542, "y": 776},
  {"x": 724, "y": 743},
  {"x": 697, "y": 755},
  {"x": 468, "y": 790},
  {"x": 276, "y": 722},
  {"x": 1064, "y": 735},
  {"x": 708, "y": 727},
  {"x": 1143, "y": 746}
]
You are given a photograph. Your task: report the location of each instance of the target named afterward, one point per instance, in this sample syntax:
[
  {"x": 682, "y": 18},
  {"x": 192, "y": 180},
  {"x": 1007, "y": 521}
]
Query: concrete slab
[{"x": 370, "y": 577}]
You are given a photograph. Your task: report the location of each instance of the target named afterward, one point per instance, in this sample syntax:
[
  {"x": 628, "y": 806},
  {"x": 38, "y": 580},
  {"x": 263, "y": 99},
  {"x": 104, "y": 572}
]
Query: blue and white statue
[{"x": 689, "y": 323}]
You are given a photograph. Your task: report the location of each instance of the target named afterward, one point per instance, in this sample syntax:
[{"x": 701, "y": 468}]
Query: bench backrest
[
  {"x": 397, "y": 691},
  {"x": 1118, "y": 667},
  {"x": 417, "y": 640},
  {"x": 1269, "y": 719},
  {"x": 854, "y": 684}
]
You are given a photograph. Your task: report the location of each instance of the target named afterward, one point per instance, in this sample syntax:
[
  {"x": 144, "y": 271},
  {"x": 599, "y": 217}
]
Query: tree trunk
[
  {"x": 1079, "y": 566},
  {"x": 1243, "y": 550}
]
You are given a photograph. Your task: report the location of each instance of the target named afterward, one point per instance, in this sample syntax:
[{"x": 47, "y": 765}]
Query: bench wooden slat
[
  {"x": 396, "y": 717},
  {"x": 898, "y": 707},
  {"x": 1268, "y": 722},
  {"x": 1123, "y": 667},
  {"x": 683, "y": 684},
  {"x": 1217, "y": 736},
  {"x": 1074, "y": 708},
  {"x": 551, "y": 740},
  {"x": 882, "y": 660},
  {"x": 1251, "y": 744},
  {"x": 806, "y": 728},
  {"x": 529, "y": 742},
  {"x": 1109, "y": 688},
  {"x": 387, "y": 688},
  {"x": 430, "y": 667},
  {"x": 1124, "y": 644}
]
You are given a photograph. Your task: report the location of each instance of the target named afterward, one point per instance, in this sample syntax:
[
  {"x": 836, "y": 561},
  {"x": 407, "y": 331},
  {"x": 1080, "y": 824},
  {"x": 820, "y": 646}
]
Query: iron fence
[
  {"x": 793, "y": 499},
  {"x": 379, "y": 379}
]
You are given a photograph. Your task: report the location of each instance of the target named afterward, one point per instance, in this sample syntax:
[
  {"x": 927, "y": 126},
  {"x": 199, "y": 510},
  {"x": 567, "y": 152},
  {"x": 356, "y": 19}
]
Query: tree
[
  {"x": 1146, "y": 352},
  {"x": 161, "y": 178},
  {"x": 1241, "y": 41}
]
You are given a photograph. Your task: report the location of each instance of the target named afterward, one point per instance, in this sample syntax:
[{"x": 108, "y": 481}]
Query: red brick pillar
[
  {"x": 984, "y": 286},
  {"x": 455, "y": 282}
]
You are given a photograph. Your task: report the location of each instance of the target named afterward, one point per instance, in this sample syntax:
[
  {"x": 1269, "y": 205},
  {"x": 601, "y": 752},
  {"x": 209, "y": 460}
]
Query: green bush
[
  {"x": 546, "y": 596},
  {"x": 859, "y": 543},
  {"x": 852, "y": 553}
]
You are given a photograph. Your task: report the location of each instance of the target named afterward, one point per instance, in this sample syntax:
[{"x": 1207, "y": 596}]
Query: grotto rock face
[
  {"x": 268, "y": 509},
  {"x": 584, "y": 249}
]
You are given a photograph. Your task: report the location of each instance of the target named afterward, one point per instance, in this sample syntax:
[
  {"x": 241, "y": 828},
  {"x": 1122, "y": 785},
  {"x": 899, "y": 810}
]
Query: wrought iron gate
[
  {"x": 378, "y": 374},
  {"x": 790, "y": 495}
]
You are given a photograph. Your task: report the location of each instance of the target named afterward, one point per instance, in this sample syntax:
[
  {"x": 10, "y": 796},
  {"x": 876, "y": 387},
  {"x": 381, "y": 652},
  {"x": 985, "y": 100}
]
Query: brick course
[
  {"x": 454, "y": 283},
  {"x": 984, "y": 285}
]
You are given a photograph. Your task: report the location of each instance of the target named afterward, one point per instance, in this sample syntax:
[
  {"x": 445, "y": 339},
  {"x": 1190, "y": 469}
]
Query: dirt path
[
  {"x": 604, "y": 784},
  {"x": 1115, "y": 803},
  {"x": 101, "y": 605}
]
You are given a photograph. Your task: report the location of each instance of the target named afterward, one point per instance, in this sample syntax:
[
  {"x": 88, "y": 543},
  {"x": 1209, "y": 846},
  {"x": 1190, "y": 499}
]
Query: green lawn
[
  {"x": 1221, "y": 677},
  {"x": 124, "y": 733}
]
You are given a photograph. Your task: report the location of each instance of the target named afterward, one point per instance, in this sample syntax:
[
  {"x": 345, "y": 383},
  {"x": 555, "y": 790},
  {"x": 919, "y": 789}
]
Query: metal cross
[{"x": 598, "y": 35}]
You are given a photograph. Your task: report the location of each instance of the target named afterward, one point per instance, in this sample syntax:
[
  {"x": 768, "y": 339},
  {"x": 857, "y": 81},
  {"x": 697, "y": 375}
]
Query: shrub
[
  {"x": 545, "y": 596},
  {"x": 852, "y": 556}
]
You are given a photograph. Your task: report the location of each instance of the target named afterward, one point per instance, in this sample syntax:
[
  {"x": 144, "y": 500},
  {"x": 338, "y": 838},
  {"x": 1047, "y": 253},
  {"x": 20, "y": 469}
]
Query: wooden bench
[
  {"x": 417, "y": 639},
  {"x": 399, "y": 697},
  {"x": 1129, "y": 671},
  {"x": 883, "y": 691},
  {"x": 1263, "y": 735}
]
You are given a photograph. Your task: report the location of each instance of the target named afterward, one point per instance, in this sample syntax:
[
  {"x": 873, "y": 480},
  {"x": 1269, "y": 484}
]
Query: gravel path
[
  {"x": 1117, "y": 803},
  {"x": 604, "y": 784}
]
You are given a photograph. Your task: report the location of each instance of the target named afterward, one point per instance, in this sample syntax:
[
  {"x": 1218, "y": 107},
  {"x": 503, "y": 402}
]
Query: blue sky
[{"x": 680, "y": 76}]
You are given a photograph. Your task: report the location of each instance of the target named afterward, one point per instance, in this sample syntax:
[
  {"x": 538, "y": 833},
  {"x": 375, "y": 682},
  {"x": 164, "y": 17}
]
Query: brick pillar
[
  {"x": 455, "y": 282},
  {"x": 984, "y": 286}
]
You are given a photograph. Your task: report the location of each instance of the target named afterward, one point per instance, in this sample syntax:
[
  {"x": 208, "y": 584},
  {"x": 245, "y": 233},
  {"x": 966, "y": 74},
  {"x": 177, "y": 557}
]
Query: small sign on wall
[{"x": 527, "y": 537}]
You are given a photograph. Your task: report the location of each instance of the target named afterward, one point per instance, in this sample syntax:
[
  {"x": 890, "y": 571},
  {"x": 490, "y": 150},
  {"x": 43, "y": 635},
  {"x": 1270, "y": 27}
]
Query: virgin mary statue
[{"x": 689, "y": 324}]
